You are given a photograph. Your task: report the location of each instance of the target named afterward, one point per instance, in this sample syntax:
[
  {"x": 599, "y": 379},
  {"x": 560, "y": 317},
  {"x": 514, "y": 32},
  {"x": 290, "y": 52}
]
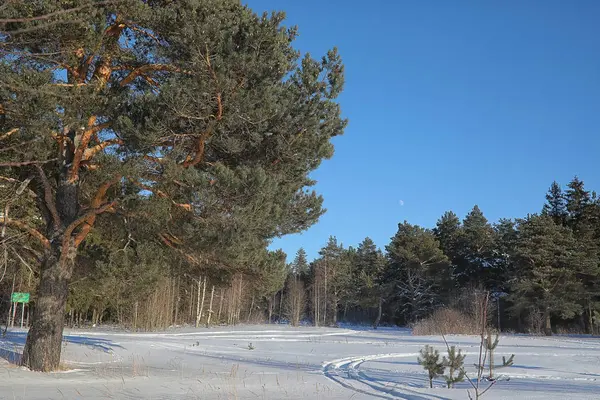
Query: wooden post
[
  {"x": 22, "y": 314},
  {"x": 135, "y": 316},
  {"x": 14, "y": 315}
]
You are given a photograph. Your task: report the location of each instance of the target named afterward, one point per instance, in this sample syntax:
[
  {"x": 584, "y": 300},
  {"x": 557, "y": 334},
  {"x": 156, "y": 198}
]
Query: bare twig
[{"x": 25, "y": 163}]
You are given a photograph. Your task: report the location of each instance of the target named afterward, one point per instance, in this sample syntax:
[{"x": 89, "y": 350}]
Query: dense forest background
[{"x": 541, "y": 271}]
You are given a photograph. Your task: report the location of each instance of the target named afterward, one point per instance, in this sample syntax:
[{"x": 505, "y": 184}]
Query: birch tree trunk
[
  {"x": 199, "y": 315},
  {"x": 210, "y": 310}
]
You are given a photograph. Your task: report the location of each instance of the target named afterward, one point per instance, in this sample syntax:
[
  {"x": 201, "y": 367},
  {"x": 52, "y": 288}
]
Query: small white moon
[{"x": 401, "y": 202}]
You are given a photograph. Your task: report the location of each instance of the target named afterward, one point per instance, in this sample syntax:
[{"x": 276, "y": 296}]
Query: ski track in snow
[{"x": 304, "y": 362}]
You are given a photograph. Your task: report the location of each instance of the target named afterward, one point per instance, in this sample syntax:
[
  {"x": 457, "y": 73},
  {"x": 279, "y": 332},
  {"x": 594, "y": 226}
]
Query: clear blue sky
[{"x": 451, "y": 104}]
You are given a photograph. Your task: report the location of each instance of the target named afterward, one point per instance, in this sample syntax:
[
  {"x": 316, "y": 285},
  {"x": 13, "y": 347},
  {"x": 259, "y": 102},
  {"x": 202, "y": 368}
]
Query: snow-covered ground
[{"x": 291, "y": 363}]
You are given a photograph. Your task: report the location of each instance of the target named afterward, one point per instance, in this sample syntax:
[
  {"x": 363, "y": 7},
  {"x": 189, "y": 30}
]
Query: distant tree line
[{"x": 543, "y": 270}]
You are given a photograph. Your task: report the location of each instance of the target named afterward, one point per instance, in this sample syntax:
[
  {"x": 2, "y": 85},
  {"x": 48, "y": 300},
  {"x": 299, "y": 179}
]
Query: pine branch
[
  {"x": 26, "y": 163},
  {"x": 75, "y": 224},
  {"x": 13, "y": 223},
  {"x": 86, "y": 136},
  {"x": 9, "y": 133},
  {"x": 48, "y": 199},
  {"x": 139, "y": 71},
  {"x": 91, "y": 152},
  {"x": 98, "y": 199}
]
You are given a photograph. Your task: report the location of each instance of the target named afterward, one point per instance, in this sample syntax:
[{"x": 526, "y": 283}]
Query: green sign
[{"x": 18, "y": 297}]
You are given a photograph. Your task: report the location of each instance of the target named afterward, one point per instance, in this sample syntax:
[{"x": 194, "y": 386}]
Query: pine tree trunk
[
  {"x": 271, "y": 309},
  {"x": 335, "y": 307},
  {"x": 379, "y": 312},
  {"x": 239, "y": 302},
  {"x": 280, "y": 305},
  {"x": 220, "y": 307},
  {"x": 177, "y": 301},
  {"x": 591, "y": 319},
  {"x": 325, "y": 298},
  {"x": 491, "y": 364},
  {"x": 44, "y": 340},
  {"x": 250, "y": 311},
  {"x": 192, "y": 286},
  {"x": 547, "y": 324},
  {"x": 316, "y": 305}
]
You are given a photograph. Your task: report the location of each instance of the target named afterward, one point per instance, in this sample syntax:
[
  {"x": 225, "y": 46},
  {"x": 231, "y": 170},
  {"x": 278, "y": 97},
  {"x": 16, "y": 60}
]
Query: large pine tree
[{"x": 195, "y": 121}]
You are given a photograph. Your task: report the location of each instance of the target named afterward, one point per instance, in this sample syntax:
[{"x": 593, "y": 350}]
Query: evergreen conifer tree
[
  {"x": 454, "y": 362},
  {"x": 417, "y": 269},
  {"x": 164, "y": 113},
  {"x": 475, "y": 266},
  {"x": 430, "y": 360},
  {"x": 547, "y": 258},
  {"x": 555, "y": 206},
  {"x": 368, "y": 264}
]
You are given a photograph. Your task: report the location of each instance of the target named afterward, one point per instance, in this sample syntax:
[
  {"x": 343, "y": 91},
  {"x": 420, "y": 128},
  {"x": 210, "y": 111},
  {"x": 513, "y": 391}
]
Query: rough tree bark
[
  {"x": 379, "y": 312},
  {"x": 547, "y": 323},
  {"x": 43, "y": 346}
]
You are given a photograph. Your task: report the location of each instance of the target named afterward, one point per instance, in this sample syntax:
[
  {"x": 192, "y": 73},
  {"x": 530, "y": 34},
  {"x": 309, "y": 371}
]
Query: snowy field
[{"x": 291, "y": 363}]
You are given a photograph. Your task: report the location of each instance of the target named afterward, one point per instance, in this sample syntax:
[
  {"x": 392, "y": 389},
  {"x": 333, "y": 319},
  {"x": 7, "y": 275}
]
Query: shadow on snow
[{"x": 11, "y": 346}]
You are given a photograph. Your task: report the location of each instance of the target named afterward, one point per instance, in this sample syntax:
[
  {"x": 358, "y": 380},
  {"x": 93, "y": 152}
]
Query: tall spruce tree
[
  {"x": 447, "y": 232},
  {"x": 368, "y": 265},
  {"x": 506, "y": 237},
  {"x": 299, "y": 266},
  {"x": 548, "y": 260},
  {"x": 165, "y": 115},
  {"x": 417, "y": 271},
  {"x": 555, "y": 206},
  {"x": 583, "y": 218},
  {"x": 475, "y": 265}
]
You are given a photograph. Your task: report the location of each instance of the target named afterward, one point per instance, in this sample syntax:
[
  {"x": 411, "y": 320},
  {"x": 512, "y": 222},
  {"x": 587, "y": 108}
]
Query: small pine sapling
[
  {"x": 509, "y": 362},
  {"x": 455, "y": 363},
  {"x": 430, "y": 360},
  {"x": 490, "y": 345}
]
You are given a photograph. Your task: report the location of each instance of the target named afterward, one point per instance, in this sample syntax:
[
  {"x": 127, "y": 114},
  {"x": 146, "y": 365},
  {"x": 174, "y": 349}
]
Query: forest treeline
[{"x": 542, "y": 272}]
